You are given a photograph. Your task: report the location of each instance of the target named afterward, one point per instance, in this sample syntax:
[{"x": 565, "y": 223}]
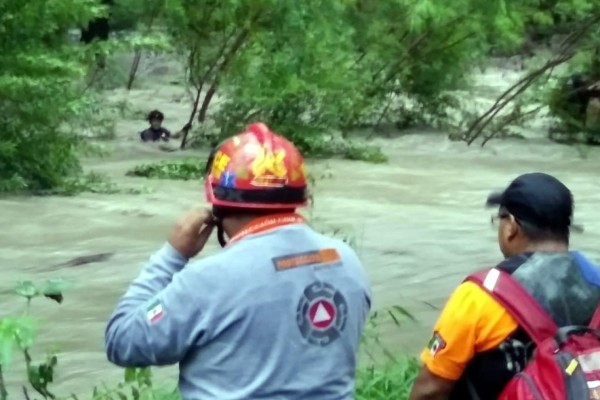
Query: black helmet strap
[{"x": 218, "y": 215}]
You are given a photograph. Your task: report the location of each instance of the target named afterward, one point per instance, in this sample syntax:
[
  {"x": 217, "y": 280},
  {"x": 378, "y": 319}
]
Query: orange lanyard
[{"x": 267, "y": 223}]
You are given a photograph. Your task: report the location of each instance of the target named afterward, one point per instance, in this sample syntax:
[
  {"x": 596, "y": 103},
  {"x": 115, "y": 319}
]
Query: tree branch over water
[{"x": 567, "y": 51}]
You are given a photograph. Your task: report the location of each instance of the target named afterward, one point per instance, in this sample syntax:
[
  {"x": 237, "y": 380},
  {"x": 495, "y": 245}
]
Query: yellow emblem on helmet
[{"x": 219, "y": 164}]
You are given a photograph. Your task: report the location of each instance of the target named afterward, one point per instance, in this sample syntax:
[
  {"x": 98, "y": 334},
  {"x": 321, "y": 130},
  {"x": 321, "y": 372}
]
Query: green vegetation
[
  {"x": 390, "y": 381},
  {"x": 178, "y": 170},
  {"x": 573, "y": 126},
  {"x": 195, "y": 169},
  {"x": 19, "y": 332},
  {"x": 383, "y": 374},
  {"x": 37, "y": 95},
  {"x": 314, "y": 71}
]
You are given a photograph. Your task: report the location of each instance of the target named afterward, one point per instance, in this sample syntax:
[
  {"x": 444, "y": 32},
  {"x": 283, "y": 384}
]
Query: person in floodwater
[
  {"x": 477, "y": 347},
  {"x": 278, "y": 313},
  {"x": 156, "y": 131}
]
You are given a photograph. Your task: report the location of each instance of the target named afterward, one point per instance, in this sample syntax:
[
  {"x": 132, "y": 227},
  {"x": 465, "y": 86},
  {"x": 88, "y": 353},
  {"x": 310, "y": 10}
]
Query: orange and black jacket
[{"x": 480, "y": 345}]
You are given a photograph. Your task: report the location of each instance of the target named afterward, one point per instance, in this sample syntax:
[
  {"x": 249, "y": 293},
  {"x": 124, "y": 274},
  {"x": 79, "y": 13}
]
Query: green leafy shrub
[
  {"x": 178, "y": 170},
  {"x": 393, "y": 380},
  {"x": 362, "y": 64},
  {"x": 365, "y": 153},
  {"x": 306, "y": 68},
  {"x": 126, "y": 14},
  {"x": 18, "y": 333},
  {"x": 384, "y": 374},
  {"x": 137, "y": 384},
  {"x": 37, "y": 91},
  {"x": 575, "y": 125}
]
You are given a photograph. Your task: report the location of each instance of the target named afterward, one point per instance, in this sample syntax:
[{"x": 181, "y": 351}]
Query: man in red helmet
[{"x": 278, "y": 314}]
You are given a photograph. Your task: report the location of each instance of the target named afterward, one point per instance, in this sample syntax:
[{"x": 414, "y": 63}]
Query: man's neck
[
  {"x": 233, "y": 226},
  {"x": 547, "y": 247}
]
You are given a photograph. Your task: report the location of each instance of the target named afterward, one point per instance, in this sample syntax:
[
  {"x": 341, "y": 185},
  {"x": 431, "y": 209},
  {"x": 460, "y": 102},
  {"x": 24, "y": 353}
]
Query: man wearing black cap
[{"x": 477, "y": 347}]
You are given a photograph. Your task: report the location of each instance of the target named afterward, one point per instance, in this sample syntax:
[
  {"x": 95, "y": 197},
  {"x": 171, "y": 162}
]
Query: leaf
[
  {"x": 52, "y": 360},
  {"x": 144, "y": 376},
  {"x": 18, "y": 332},
  {"x": 129, "y": 375},
  {"x": 135, "y": 393},
  {"x": 7, "y": 345},
  {"x": 35, "y": 377},
  {"x": 54, "y": 288},
  {"x": 401, "y": 311},
  {"x": 26, "y": 289},
  {"x": 56, "y": 297},
  {"x": 24, "y": 332}
]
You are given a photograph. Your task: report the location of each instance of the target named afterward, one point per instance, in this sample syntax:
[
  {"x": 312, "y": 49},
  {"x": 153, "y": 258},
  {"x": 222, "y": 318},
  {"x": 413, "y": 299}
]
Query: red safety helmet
[{"x": 256, "y": 169}]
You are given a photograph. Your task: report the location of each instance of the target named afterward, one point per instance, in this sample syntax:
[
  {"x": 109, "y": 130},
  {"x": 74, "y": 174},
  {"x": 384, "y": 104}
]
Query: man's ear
[{"x": 510, "y": 228}]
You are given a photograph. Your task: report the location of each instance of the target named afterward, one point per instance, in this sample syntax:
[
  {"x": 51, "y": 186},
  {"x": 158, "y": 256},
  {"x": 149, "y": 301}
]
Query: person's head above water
[
  {"x": 535, "y": 214},
  {"x": 155, "y": 118},
  {"x": 253, "y": 174}
]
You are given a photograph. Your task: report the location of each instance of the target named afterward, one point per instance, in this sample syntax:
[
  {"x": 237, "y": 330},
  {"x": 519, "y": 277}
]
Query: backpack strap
[
  {"x": 518, "y": 302},
  {"x": 595, "y": 323}
]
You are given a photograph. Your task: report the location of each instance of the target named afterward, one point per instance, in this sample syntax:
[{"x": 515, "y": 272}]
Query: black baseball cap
[{"x": 539, "y": 199}]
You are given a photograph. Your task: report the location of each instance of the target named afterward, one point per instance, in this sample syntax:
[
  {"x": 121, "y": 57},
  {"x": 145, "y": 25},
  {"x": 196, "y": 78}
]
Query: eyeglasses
[{"x": 495, "y": 219}]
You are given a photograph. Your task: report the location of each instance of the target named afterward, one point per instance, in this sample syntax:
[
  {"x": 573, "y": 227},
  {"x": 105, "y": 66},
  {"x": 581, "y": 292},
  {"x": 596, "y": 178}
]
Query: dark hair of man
[{"x": 539, "y": 234}]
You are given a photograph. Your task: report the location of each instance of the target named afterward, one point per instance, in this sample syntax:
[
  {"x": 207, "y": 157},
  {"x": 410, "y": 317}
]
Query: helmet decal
[
  {"x": 299, "y": 172},
  {"x": 227, "y": 179},
  {"x": 220, "y": 163},
  {"x": 269, "y": 168},
  {"x": 259, "y": 169}
]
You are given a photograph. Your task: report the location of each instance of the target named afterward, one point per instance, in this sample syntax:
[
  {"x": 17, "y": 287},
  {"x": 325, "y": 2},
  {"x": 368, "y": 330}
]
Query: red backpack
[{"x": 566, "y": 361}]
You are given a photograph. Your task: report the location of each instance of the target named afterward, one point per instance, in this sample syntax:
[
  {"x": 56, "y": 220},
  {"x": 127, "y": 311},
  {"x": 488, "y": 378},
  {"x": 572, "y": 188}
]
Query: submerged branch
[
  {"x": 514, "y": 117},
  {"x": 478, "y": 126},
  {"x": 566, "y": 52}
]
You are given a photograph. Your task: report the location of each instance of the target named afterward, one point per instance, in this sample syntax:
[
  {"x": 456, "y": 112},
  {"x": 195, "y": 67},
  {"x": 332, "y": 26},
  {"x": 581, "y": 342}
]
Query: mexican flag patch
[
  {"x": 154, "y": 312},
  {"x": 436, "y": 344}
]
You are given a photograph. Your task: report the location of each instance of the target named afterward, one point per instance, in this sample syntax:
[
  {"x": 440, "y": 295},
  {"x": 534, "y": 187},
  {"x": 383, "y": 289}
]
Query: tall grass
[
  {"x": 383, "y": 373},
  {"x": 393, "y": 380}
]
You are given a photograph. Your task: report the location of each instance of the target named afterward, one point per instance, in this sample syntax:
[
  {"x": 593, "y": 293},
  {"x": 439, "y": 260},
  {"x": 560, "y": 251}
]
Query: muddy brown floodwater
[{"x": 418, "y": 222}]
